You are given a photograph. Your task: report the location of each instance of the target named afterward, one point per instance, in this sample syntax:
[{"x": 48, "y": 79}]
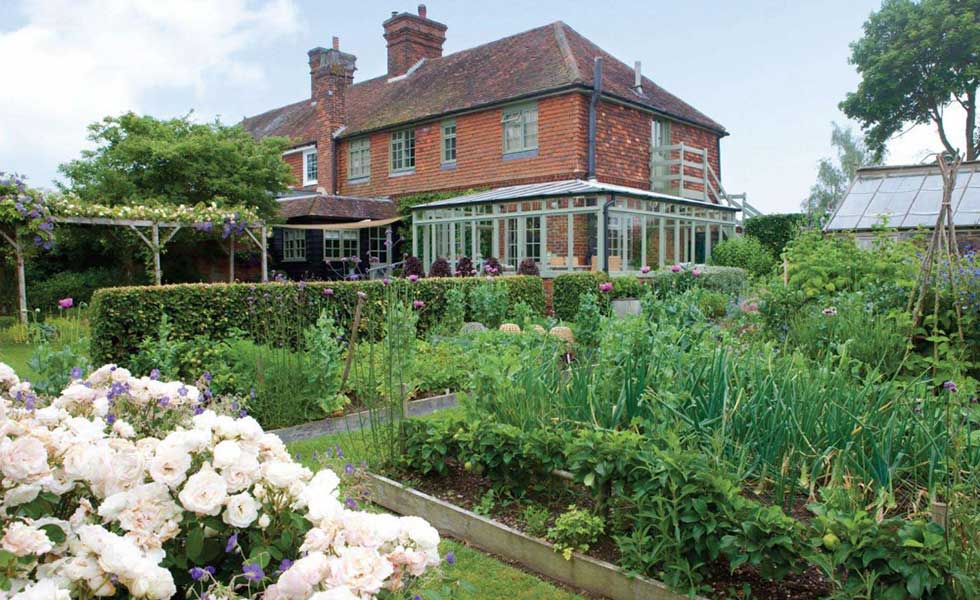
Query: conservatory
[{"x": 569, "y": 226}]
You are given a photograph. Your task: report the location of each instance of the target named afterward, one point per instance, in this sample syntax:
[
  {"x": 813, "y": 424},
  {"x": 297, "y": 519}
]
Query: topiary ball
[
  {"x": 528, "y": 266},
  {"x": 440, "y": 268},
  {"x": 510, "y": 328}
]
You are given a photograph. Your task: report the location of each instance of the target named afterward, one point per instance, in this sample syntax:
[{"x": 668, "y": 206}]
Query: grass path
[
  {"x": 490, "y": 578},
  {"x": 16, "y": 356}
]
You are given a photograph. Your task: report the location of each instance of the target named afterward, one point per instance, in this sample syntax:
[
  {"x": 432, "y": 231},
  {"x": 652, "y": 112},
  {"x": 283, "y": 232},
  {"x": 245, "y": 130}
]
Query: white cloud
[{"x": 75, "y": 61}]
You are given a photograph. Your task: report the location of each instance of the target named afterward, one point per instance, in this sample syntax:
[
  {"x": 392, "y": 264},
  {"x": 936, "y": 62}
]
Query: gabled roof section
[
  {"x": 541, "y": 60},
  {"x": 907, "y": 197}
]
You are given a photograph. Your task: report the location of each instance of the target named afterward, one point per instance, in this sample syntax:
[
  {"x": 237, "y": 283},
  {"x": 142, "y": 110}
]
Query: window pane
[
  {"x": 449, "y": 142},
  {"x": 309, "y": 168},
  {"x": 294, "y": 245},
  {"x": 359, "y": 159}
]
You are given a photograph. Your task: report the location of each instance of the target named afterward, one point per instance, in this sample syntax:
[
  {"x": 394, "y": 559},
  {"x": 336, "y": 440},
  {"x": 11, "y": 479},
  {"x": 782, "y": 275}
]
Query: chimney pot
[
  {"x": 422, "y": 10},
  {"x": 394, "y": 13},
  {"x": 336, "y": 43},
  {"x": 637, "y": 76},
  {"x": 412, "y": 38}
]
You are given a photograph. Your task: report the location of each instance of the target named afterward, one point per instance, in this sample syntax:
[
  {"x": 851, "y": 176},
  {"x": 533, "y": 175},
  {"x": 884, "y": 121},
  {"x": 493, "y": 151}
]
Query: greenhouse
[{"x": 569, "y": 226}]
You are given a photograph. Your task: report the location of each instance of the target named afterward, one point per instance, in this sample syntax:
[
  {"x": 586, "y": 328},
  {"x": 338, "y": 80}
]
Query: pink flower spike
[
  {"x": 645, "y": 269},
  {"x": 676, "y": 268},
  {"x": 418, "y": 304},
  {"x": 65, "y": 303}
]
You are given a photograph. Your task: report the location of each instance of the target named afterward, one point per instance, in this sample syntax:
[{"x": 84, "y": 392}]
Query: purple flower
[
  {"x": 155, "y": 374},
  {"x": 340, "y": 453},
  {"x": 385, "y": 281},
  {"x": 695, "y": 273},
  {"x": 253, "y": 572},
  {"x": 76, "y": 373},
  {"x": 66, "y": 303},
  {"x": 675, "y": 269},
  {"x": 243, "y": 413},
  {"x": 950, "y": 386},
  {"x": 232, "y": 543},
  {"x": 284, "y": 565},
  {"x": 110, "y": 418},
  {"x": 418, "y": 304},
  {"x": 182, "y": 390},
  {"x": 197, "y": 573},
  {"x": 328, "y": 292},
  {"x": 207, "y": 376},
  {"x": 645, "y": 269},
  {"x": 450, "y": 558},
  {"x": 351, "y": 503},
  {"x": 413, "y": 277},
  {"x": 605, "y": 287},
  {"x": 349, "y": 469},
  {"x": 198, "y": 409},
  {"x": 164, "y": 402}
]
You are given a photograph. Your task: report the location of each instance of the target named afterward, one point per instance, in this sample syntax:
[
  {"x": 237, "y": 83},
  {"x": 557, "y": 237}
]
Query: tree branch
[{"x": 937, "y": 118}]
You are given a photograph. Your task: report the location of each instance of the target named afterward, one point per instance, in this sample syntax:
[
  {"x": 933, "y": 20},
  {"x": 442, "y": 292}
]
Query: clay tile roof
[
  {"x": 336, "y": 207},
  {"x": 539, "y": 60}
]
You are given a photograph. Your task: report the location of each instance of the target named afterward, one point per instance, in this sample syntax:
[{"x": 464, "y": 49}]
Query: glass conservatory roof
[{"x": 907, "y": 197}]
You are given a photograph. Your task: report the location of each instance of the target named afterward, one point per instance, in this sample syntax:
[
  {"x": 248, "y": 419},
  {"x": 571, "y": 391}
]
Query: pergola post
[
  {"x": 231, "y": 258},
  {"x": 155, "y": 247},
  {"x": 15, "y": 241},
  {"x": 265, "y": 256}
]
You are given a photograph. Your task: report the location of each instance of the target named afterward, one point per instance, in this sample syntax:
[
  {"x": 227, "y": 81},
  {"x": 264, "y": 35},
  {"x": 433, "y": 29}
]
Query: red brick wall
[
  {"x": 562, "y": 126},
  {"x": 623, "y": 145},
  {"x": 295, "y": 162}
]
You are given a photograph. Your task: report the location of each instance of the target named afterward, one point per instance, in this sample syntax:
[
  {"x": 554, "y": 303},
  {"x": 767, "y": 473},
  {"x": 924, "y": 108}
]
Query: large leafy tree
[
  {"x": 834, "y": 175},
  {"x": 916, "y": 58},
  {"x": 140, "y": 159}
]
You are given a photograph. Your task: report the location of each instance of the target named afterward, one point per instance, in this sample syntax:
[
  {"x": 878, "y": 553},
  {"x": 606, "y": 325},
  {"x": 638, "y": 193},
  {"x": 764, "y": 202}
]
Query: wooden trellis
[{"x": 149, "y": 232}]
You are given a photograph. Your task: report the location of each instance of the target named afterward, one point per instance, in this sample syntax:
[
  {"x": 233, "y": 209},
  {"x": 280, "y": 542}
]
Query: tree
[
  {"x": 915, "y": 60},
  {"x": 833, "y": 178},
  {"x": 141, "y": 159}
]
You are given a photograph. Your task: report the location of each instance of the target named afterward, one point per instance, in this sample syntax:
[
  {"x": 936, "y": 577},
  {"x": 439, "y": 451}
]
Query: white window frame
[
  {"x": 402, "y": 142},
  {"x": 359, "y": 159},
  {"x": 306, "y": 167},
  {"x": 522, "y": 118},
  {"x": 448, "y": 133},
  {"x": 377, "y": 237},
  {"x": 294, "y": 245},
  {"x": 347, "y": 242}
]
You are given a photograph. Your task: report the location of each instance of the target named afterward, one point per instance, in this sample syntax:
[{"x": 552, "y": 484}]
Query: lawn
[
  {"x": 16, "y": 356},
  {"x": 490, "y": 577}
]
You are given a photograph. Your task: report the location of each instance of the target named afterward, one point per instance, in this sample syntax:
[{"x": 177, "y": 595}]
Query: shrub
[
  {"x": 122, "y": 317},
  {"x": 440, "y": 268},
  {"x": 488, "y": 304},
  {"x": 575, "y": 530},
  {"x": 535, "y": 520},
  {"x": 568, "y": 289},
  {"x": 413, "y": 266},
  {"x": 746, "y": 253},
  {"x": 79, "y": 286},
  {"x": 491, "y": 266},
  {"x": 713, "y": 304},
  {"x": 528, "y": 266},
  {"x": 774, "y": 231},
  {"x": 464, "y": 267}
]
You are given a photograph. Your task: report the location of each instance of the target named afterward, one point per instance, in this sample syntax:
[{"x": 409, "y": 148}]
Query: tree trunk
[{"x": 971, "y": 126}]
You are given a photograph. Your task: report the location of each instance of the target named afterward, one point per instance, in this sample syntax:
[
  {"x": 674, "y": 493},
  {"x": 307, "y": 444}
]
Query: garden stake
[{"x": 353, "y": 340}]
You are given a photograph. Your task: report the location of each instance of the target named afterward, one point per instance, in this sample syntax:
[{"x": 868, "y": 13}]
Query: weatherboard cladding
[
  {"x": 547, "y": 59},
  {"x": 907, "y": 197}
]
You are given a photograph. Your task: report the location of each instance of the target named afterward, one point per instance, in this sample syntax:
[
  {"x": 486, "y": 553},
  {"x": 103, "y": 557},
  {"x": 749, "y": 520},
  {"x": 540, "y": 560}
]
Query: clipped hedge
[
  {"x": 122, "y": 317},
  {"x": 775, "y": 231},
  {"x": 569, "y": 287}
]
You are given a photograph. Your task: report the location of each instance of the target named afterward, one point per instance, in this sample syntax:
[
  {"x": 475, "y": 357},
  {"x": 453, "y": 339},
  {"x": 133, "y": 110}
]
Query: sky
[{"x": 771, "y": 72}]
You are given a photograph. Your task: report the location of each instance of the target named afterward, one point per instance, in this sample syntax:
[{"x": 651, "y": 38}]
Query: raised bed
[
  {"x": 353, "y": 421},
  {"x": 582, "y": 572}
]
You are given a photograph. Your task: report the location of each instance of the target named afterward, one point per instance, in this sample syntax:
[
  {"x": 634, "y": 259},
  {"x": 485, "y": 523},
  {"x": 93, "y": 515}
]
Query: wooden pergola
[{"x": 149, "y": 232}]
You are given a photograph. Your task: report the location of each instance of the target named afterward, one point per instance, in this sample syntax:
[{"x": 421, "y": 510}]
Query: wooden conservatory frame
[{"x": 571, "y": 226}]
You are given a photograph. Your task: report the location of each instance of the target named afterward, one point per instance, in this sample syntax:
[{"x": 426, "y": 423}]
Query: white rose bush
[{"x": 134, "y": 487}]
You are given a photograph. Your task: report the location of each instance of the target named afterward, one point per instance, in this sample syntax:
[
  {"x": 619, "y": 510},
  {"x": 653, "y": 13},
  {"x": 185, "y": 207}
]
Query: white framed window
[
  {"x": 377, "y": 249},
  {"x": 520, "y": 124},
  {"x": 532, "y": 237},
  {"x": 402, "y": 151},
  {"x": 512, "y": 242},
  {"x": 359, "y": 159},
  {"x": 309, "y": 167},
  {"x": 294, "y": 245},
  {"x": 338, "y": 244},
  {"x": 449, "y": 142}
]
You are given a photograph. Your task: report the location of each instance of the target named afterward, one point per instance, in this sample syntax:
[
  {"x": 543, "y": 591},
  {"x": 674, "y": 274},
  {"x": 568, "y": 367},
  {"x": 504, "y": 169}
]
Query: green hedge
[
  {"x": 122, "y": 317},
  {"x": 775, "y": 231},
  {"x": 569, "y": 287}
]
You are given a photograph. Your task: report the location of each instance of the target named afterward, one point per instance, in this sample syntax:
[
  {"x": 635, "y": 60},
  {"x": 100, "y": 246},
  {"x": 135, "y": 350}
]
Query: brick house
[{"x": 587, "y": 163}]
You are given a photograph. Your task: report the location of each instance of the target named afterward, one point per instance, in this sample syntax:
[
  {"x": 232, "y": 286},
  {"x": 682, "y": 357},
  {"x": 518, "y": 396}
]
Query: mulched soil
[{"x": 466, "y": 489}]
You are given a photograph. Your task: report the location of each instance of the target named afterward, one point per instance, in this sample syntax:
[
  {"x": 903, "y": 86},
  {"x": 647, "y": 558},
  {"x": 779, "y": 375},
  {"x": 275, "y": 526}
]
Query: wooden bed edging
[
  {"x": 416, "y": 408},
  {"x": 582, "y": 572}
]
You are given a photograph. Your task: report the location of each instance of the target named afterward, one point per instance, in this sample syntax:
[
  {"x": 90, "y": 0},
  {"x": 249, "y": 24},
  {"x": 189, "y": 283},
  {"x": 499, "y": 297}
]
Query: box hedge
[
  {"x": 569, "y": 287},
  {"x": 122, "y": 317}
]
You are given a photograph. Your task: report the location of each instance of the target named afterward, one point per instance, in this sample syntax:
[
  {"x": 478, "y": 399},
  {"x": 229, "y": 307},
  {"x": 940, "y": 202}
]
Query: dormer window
[{"x": 309, "y": 167}]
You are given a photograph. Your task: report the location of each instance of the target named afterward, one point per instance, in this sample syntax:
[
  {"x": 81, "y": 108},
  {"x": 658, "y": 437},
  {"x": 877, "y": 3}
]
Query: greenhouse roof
[
  {"x": 551, "y": 189},
  {"x": 907, "y": 197}
]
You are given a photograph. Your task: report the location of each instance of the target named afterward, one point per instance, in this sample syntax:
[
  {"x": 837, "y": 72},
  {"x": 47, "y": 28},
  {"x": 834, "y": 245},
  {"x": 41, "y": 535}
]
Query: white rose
[
  {"x": 264, "y": 521},
  {"x": 338, "y": 593},
  {"x": 299, "y": 580},
  {"x": 151, "y": 581},
  {"x": 204, "y": 492},
  {"x": 362, "y": 569},
  {"x": 22, "y": 494},
  {"x": 24, "y": 460},
  {"x": 169, "y": 464},
  {"x": 226, "y": 453},
  {"x": 123, "y": 429},
  {"x": 282, "y": 474},
  {"x": 243, "y": 473},
  {"x": 419, "y": 531},
  {"x": 241, "y": 510},
  {"x": 44, "y": 589},
  {"x": 22, "y": 539}
]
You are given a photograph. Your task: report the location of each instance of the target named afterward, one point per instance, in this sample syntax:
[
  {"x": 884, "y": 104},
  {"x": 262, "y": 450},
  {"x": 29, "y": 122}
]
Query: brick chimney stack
[
  {"x": 331, "y": 71},
  {"x": 412, "y": 38}
]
